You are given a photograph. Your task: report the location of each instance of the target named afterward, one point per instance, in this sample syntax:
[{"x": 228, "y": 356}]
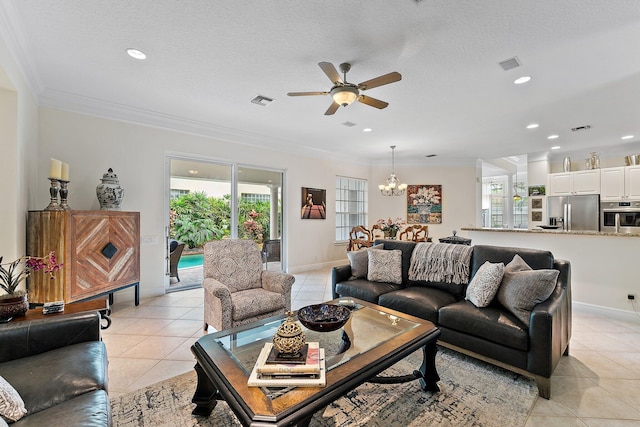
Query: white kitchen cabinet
[
  {"x": 620, "y": 183},
  {"x": 579, "y": 182},
  {"x": 632, "y": 182},
  {"x": 612, "y": 183}
]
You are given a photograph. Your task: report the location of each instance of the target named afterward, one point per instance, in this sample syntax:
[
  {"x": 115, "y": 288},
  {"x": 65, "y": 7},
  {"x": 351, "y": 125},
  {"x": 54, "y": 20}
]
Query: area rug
[{"x": 472, "y": 393}]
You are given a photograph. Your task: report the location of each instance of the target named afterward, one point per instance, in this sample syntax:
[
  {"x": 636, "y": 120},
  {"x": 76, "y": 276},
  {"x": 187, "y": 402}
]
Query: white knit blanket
[{"x": 440, "y": 262}]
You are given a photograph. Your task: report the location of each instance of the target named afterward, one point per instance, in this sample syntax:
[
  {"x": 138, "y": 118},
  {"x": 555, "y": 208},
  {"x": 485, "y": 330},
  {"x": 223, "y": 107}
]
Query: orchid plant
[
  {"x": 391, "y": 226},
  {"x": 14, "y": 272}
]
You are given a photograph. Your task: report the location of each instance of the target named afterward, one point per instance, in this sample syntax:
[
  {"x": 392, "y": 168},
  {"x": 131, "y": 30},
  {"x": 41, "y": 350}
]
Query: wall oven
[{"x": 620, "y": 216}]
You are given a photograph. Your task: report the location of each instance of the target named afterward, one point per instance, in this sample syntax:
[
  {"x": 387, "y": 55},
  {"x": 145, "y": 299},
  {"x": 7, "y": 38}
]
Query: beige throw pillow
[
  {"x": 385, "y": 266},
  {"x": 485, "y": 284},
  {"x": 359, "y": 261},
  {"x": 11, "y": 404},
  {"x": 523, "y": 288}
]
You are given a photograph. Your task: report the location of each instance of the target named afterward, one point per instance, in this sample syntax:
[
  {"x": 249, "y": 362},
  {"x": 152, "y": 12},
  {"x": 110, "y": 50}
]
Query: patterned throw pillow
[
  {"x": 11, "y": 404},
  {"x": 485, "y": 284},
  {"x": 385, "y": 266},
  {"x": 523, "y": 288},
  {"x": 359, "y": 261}
]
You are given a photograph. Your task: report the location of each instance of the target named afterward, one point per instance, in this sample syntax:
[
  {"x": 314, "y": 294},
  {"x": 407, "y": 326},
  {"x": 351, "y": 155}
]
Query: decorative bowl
[{"x": 323, "y": 317}]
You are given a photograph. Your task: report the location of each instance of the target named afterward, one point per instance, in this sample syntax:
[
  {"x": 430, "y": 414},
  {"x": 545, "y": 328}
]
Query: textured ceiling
[{"x": 207, "y": 59}]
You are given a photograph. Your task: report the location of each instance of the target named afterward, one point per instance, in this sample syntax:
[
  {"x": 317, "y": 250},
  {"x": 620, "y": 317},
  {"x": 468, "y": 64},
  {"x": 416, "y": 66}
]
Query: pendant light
[
  {"x": 393, "y": 186},
  {"x": 516, "y": 196}
]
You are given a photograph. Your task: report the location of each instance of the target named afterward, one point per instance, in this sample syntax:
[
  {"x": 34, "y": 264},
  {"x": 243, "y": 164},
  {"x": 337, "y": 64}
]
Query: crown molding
[
  {"x": 113, "y": 111},
  {"x": 11, "y": 31}
]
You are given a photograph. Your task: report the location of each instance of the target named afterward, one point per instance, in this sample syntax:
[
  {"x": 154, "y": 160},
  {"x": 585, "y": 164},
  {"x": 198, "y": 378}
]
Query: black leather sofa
[
  {"x": 492, "y": 334},
  {"x": 58, "y": 366}
]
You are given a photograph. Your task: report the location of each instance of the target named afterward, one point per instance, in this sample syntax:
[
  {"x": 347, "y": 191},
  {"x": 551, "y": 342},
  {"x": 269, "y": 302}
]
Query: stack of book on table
[{"x": 305, "y": 371}]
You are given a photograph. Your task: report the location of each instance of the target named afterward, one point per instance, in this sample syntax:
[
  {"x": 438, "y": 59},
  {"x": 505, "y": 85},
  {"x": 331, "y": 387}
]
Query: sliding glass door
[{"x": 211, "y": 200}]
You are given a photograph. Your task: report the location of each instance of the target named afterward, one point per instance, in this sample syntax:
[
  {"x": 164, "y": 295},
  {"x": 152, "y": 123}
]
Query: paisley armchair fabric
[{"x": 236, "y": 288}]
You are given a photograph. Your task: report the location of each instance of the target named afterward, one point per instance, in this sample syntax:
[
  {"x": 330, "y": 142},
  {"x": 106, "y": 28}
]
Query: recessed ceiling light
[
  {"x": 136, "y": 54},
  {"x": 627, "y": 137},
  {"x": 193, "y": 172},
  {"x": 555, "y": 147},
  {"x": 532, "y": 126},
  {"x": 367, "y": 130},
  {"x": 522, "y": 79},
  {"x": 553, "y": 137}
]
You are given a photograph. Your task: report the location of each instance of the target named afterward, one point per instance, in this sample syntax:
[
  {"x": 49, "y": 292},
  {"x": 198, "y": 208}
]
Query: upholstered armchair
[{"x": 236, "y": 288}]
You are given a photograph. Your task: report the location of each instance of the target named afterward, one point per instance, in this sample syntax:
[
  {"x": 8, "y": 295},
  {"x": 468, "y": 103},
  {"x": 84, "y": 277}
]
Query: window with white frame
[{"x": 351, "y": 205}]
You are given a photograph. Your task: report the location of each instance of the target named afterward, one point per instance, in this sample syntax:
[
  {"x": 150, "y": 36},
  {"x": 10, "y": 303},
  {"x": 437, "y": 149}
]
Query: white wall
[
  {"x": 18, "y": 151},
  {"x": 91, "y": 145}
]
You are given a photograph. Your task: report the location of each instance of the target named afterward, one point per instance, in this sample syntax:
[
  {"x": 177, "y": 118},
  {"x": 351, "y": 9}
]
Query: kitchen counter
[
  {"x": 603, "y": 265},
  {"x": 556, "y": 232}
]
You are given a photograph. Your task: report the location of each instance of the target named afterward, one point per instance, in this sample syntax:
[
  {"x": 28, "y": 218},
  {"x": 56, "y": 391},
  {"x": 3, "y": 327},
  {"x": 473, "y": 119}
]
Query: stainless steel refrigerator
[{"x": 575, "y": 213}]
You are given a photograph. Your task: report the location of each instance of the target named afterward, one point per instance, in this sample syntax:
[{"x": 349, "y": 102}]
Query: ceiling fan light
[{"x": 344, "y": 95}]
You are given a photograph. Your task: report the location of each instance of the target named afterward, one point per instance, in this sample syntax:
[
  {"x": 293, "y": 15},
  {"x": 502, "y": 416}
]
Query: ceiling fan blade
[
  {"x": 307, "y": 93},
  {"x": 380, "y": 81},
  {"x": 332, "y": 109},
  {"x": 373, "y": 102},
  {"x": 331, "y": 72}
]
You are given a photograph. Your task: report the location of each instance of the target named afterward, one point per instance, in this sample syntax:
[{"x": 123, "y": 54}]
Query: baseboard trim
[
  {"x": 616, "y": 313},
  {"x": 318, "y": 266}
]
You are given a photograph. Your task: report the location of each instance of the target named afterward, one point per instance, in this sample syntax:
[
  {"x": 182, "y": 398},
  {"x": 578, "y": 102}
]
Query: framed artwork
[
  {"x": 424, "y": 204},
  {"x": 536, "y": 216},
  {"x": 314, "y": 203},
  {"x": 536, "y": 203},
  {"x": 537, "y": 190}
]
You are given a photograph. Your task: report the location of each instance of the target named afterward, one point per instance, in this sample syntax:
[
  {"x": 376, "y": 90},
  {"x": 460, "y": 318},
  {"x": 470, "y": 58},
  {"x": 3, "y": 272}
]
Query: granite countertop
[{"x": 541, "y": 231}]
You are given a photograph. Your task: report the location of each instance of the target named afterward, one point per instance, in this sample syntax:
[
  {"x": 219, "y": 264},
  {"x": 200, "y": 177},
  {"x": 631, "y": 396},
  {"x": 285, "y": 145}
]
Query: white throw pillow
[
  {"x": 11, "y": 404},
  {"x": 485, "y": 284},
  {"x": 385, "y": 266}
]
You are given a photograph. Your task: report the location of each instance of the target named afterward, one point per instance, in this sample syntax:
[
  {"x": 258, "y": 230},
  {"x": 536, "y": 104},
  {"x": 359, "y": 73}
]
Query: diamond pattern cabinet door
[
  {"x": 100, "y": 251},
  {"x": 105, "y": 250}
]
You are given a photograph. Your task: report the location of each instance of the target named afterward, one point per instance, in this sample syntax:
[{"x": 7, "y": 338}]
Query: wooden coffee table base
[
  {"x": 207, "y": 393},
  {"x": 427, "y": 374},
  {"x": 376, "y": 346}
]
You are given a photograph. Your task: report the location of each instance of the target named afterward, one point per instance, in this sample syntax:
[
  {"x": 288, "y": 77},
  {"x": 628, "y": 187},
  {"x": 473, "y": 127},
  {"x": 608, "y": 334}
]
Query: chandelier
[{"x": 393, "y": 186}]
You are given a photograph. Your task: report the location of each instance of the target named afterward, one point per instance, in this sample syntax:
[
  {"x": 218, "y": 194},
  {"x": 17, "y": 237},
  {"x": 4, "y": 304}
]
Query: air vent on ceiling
[
  {"x": 430, "y": 155},
  {"x": 585, "y": 127},
  {"x": 510, "y": 63},
  {"x": 262, "y": 100},
  {"x": 349, "y": 124}
]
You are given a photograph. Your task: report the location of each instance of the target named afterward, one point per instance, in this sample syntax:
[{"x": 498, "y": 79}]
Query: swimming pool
[{"x": 194, "y": 260}]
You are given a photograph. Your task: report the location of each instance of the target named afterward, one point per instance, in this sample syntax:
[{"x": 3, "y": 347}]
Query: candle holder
[
  {"x": 64, "y": 192},
  {"x": 53, "y": 192}
]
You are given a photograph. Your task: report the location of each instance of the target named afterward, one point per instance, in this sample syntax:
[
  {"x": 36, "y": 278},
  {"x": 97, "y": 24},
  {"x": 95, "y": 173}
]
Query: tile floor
[{"x": 597, "y": 385}]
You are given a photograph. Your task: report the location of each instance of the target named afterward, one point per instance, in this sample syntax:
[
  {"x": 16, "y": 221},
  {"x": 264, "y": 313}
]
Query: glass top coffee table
[{"x": 372, "y": 340}]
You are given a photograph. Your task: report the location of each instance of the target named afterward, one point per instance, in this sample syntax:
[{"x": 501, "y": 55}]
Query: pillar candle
[
  {"x": 55, "y": 168},
  {"x": 64, "y": 174}
]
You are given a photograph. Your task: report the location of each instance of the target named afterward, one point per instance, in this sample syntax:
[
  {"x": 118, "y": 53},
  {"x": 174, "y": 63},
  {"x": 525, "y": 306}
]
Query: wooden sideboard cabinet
[{"x": 100, "y": 252}]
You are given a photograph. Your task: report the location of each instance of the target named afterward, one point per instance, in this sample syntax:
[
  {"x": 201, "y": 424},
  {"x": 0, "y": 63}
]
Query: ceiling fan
[{"x": 344, "y": 93}]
